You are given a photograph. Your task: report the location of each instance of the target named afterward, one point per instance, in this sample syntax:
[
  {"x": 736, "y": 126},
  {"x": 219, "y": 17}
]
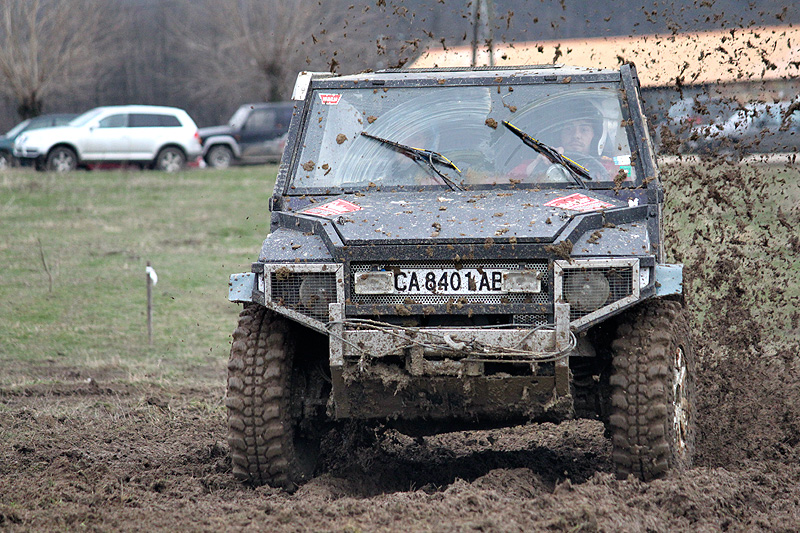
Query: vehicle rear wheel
[
  {"x": 170, "y": 159},
  {"x": 652, "y": 398},
  {"x": 61, "y": 159},
  {"x": 276, "y": 403},
  {"x": 219, "y": 156}
]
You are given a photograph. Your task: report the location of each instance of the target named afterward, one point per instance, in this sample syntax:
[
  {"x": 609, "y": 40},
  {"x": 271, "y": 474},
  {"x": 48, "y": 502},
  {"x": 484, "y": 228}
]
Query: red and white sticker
[
  {"x": 329, "y": 98},
  {"x": 578, "y": 202},
  {"x": 331, "y": 209}
]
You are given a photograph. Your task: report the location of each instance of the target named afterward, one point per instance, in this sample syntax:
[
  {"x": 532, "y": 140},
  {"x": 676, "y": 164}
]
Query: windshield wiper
[
  {"x": 428, "y": 156},
  {"x": 576, "y": 170}
]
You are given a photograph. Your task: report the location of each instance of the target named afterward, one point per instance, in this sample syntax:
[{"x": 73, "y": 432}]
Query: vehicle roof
[
  {"x": 477, "y": 74},
  {"x": 141, "y": 108}
]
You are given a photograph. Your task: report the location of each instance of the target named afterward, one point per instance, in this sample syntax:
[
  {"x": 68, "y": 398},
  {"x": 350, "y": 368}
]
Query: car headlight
[
  {"x": 315, "y": 295},
  {"x": 586, "y": 290}
]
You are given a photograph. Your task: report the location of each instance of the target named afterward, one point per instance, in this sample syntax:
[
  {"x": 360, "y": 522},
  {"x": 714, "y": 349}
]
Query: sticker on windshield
[
  {"x": 329, "y": 98},
  {"x": 332, "y": 209},
  {"x": 578, "y": 202}
]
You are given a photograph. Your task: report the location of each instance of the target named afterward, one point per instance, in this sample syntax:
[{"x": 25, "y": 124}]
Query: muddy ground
[{"x": 98, "y": 454}]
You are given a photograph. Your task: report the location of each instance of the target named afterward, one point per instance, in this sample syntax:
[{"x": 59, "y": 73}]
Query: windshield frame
[{"x": 608, "y": 80}]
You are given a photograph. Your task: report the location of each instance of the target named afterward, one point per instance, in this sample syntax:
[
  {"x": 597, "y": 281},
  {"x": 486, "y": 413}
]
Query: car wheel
[
  {"x": 61, "y": 159},
  {"x": 652, "y": 399},
  {"x": 275, "y": 401},
  {"x": 170, "y": 159},
  {"x": 5, "y": 160},
  {"x": 219, "y": 157}
]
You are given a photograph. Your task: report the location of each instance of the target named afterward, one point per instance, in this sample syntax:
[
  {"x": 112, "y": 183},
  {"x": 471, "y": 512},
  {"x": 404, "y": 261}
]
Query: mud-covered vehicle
[{"x": 459, "y": 249}]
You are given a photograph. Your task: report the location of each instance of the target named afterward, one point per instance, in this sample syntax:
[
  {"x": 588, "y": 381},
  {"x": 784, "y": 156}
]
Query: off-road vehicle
[
  {"x": 256, "y": 133},
  {"x": 458, "y": 249}
]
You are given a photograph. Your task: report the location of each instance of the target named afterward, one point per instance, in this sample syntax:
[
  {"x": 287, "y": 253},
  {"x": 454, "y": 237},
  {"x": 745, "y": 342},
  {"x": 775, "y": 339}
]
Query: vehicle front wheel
[
  {"x": 652, "y": 398},
  {"x": 220, "y": 157},
  {"x": 61, "y": 159},
  {"x": 170, "y": 159},
  {"x": 5, "y": 160},
  {"x": 275, "y": 401}
]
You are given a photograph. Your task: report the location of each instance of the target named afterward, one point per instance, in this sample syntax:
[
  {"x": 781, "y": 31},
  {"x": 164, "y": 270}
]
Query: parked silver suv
[{"x": 157, "y": 137}]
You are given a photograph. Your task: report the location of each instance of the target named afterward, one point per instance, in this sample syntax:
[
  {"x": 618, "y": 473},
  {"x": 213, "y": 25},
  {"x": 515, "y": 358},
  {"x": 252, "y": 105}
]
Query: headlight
[
  {"x": 315, "y": 295},
  {"x": 586, "y": 290}
]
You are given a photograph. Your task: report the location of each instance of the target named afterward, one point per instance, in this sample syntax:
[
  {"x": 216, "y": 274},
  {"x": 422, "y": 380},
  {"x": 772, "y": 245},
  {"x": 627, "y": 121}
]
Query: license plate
[{"x": 448, "y": 281}]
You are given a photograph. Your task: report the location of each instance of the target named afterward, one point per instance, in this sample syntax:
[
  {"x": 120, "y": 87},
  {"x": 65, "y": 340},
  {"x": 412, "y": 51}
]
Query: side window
[
  {"x": 284, "y": 117},
  {"x": 260, "y": 119},
  {"x": 169, "y": 121},
  {"x": 114, "y": 121},
  {"x": 152, "y": 120},
  {"x": 143, "y": 120}
]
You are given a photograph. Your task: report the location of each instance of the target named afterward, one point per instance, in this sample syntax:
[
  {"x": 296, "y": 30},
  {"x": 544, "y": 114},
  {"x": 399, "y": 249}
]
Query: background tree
[
  {"x": 48, "y": 47},
  {"x": 252, "y": 50}
]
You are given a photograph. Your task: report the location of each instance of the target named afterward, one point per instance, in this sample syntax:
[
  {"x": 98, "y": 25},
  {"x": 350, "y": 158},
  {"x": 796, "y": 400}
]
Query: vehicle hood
[
  {"x": 210, "y": 131},
  {"x": 457, "y": 217},
  {"x": 46, "y": 134}
]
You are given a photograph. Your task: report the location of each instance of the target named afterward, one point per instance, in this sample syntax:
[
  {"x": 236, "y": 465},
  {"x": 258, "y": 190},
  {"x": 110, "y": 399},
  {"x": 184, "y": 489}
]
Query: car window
[
  {"x": 261, "y": 119},
  {"x": 152, "y": 120},
  {"x": 60, "y": 121},
  {"x": 239, "y": 117},
  {"x": 463, "y": 124},
  {"x": 168, "y": 121},
  {"x": 114, "y": 121},
  {"x": 84, "y": 119}
]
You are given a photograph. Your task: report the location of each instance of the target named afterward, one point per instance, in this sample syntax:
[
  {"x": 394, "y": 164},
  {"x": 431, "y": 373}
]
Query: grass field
[{"x": 73, "y": 254}]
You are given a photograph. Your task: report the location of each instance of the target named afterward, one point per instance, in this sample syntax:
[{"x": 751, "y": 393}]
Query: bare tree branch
[{"x": 47, "y": 46}]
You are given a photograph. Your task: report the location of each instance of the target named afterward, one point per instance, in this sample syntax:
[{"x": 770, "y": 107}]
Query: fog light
[
  {"x": 586, "y": 290},
  {"x": 315, "y": 295},
  {"x": 378, "y": 282}
]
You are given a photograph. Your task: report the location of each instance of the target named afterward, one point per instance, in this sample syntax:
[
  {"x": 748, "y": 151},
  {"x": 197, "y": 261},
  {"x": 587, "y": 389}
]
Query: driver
[{"x": 578, "y": 138}]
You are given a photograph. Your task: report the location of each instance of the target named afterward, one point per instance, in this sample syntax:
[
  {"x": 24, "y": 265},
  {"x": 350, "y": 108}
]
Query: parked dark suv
[{"x": 256, "y": 133}]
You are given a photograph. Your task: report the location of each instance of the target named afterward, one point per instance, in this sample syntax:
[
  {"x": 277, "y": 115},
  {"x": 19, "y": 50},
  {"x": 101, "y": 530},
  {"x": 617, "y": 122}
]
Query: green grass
[{"x": 96, "y": 231}]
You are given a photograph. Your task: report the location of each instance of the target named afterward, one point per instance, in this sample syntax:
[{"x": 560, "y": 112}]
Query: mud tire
[
  {"x": 268, "y": 444},
  {"x": 652, "y": 413}
]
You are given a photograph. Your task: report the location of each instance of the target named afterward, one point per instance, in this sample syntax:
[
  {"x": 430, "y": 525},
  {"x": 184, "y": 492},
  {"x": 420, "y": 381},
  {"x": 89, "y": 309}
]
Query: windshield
[
  {"x": 238, "y": 118},
  {"x": 584, "y": 122},
  {"x": 84, "y": 119}
]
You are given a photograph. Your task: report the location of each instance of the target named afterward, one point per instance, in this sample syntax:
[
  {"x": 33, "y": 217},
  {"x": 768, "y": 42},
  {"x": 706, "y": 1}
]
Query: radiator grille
[
  {"x": 465, "y": 298},
  {"x": 306, "y": 293}
]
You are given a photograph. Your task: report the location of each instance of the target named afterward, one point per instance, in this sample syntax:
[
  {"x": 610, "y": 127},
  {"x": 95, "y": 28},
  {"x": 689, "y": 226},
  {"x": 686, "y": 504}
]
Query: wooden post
[{"x": 149, "y": 305}]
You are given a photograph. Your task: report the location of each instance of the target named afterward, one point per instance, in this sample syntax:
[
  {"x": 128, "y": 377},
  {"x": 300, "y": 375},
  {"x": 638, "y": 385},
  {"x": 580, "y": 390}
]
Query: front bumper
[{"x": 391, "y": 371}]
